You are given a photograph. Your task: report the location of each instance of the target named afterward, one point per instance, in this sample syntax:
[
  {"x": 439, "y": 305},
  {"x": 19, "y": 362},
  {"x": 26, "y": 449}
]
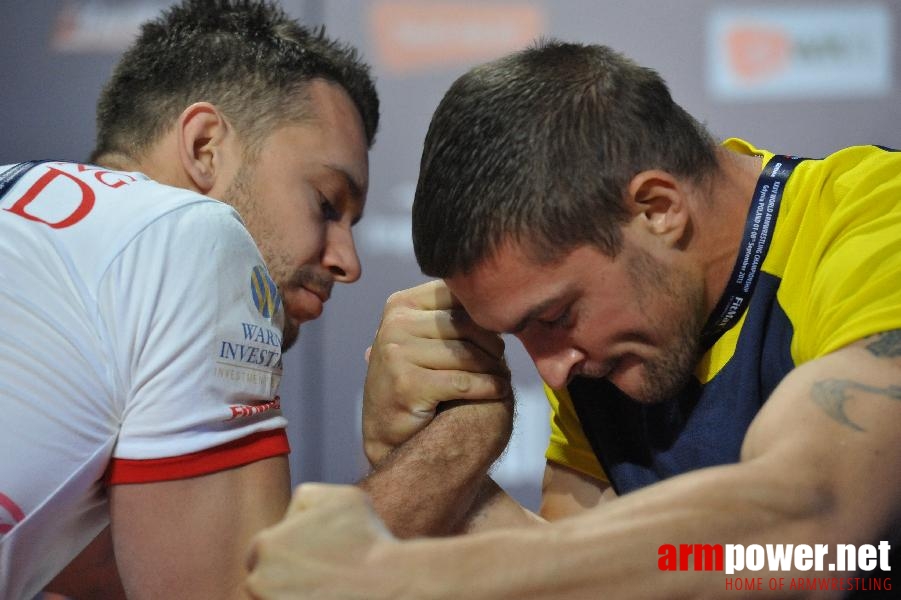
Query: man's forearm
[
  {"x": 493, "y": 508},
  {"x": 428, "y": 485},
  {"x": 613, "y": 551}
]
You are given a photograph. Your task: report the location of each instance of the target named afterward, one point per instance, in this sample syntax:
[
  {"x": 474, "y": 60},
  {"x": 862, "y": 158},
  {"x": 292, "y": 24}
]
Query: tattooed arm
[
  {"x": 840, "y": 416},
  {"x": 832, "y": 395}
]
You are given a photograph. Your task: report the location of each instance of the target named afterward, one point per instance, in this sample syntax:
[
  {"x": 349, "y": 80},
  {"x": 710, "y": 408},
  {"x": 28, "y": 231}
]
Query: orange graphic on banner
[
  {"x": 415, "y": 36},
  {"x": 756, "y": 52}
]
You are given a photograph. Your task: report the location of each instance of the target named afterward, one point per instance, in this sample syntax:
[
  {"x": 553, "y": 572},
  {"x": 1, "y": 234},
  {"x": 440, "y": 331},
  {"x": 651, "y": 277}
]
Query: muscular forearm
[
  {"x": 613, "y": 551},
  {"x": 818, "y": 466},
  {"x": 827, "y": 433},
  {"x": 493, "y": 508},
  {"x": 428, "y": 485}
]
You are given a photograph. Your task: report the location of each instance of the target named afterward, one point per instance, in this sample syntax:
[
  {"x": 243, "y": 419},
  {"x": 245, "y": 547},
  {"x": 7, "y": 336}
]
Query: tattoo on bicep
[
  {"x": 832, "y": 394},
  {"x": 887, "y": 344}
]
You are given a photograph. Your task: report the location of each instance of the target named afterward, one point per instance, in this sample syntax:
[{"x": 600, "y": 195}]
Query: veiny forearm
[
  {"x": 428, "y": 485},
  {"x": 612, "y": 551}
]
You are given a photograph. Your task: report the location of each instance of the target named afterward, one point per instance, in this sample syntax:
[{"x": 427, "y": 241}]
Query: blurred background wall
[{"x": 794, "y": 76}]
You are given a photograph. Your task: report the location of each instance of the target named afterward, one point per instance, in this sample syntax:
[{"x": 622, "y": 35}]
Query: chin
[
  {"x": 646, "y": 386},
  {"x": 632, "y": 381},
  {"x": 660, "y": 387}
]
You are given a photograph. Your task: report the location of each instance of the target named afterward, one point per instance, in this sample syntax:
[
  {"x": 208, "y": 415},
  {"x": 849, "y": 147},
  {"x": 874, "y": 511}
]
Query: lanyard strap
[
  {"x": 758, "y": 234},
  {"x": 10, "y": 176}
]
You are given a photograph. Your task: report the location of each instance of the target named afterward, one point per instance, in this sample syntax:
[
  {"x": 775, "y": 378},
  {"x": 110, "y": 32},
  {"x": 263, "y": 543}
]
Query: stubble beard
[
  {"x": 240, "y": 196},
  {"x": 681, "y": 317}
]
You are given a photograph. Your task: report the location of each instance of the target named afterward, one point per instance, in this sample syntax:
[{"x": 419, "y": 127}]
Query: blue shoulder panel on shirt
[{"x": 640, "y": 444}]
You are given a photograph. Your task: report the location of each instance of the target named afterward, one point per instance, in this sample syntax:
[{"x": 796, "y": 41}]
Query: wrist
[{"x": 482, "y": 429}]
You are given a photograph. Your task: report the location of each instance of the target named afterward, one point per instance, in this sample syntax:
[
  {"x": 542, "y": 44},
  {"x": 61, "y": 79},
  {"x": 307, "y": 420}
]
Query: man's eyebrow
[{"x": 355, "y": 187}]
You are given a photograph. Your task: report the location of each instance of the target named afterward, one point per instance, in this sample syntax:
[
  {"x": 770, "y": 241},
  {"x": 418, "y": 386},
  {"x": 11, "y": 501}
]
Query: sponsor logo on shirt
[
  {"x": 251, "y": 352},
  {"x": 64, "y": 194},
  {"x": 248, "y": 410},
  {"x": 264, "y": 292}
]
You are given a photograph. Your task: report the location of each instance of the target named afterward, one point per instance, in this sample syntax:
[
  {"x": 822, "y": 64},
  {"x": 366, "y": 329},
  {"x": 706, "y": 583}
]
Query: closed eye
[
  {"x": 329, "y": 212},
  {"x": 559, "y": 322}
]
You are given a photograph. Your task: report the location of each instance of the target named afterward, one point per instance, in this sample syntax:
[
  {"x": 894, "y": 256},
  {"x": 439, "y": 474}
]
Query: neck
[
  {"x": 116, "y": 161},
  {"x": 730, "y": 195},
  {"x": 159, "y": 162}
]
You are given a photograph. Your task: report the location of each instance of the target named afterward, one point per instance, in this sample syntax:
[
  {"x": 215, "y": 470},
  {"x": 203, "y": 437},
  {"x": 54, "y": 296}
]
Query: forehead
[
  {"x": 504, "y": 288},
  {"x": 334, "y": 109},
  {"x": 512, "y": 287},
  {"x": 332, "y": 139}
]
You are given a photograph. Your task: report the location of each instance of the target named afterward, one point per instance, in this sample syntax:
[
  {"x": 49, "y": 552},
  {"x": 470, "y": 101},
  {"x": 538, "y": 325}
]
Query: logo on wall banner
[
  {"x": 264, "y": 292},
  {"x": 779, "y": 52},
  {"x": 101, "y": 25},
  {"x": 417, "y": 35}
]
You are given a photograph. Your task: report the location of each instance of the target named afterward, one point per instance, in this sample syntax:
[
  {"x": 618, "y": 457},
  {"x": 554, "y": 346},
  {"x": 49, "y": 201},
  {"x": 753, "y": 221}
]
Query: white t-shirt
[{"x": 140, "y": 340}]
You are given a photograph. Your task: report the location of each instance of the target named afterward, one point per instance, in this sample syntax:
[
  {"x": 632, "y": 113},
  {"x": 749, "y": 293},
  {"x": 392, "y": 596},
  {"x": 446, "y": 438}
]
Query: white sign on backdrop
[{"x": 779, "y": 52}]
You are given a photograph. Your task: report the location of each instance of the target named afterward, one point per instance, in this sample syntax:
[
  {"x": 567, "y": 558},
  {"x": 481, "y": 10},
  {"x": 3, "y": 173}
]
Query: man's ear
[
  {"x": 203, "y": 130},
  {"x": 659, "y": 200}
]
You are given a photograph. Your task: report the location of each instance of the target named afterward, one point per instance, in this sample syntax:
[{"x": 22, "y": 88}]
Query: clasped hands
[
  {"x": 428, "y": 360},
  {"x": 429, "y": 356}
]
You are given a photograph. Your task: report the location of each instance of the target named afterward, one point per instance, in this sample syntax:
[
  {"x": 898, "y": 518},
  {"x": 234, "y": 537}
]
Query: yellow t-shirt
[{"x": 836, "y": 251}]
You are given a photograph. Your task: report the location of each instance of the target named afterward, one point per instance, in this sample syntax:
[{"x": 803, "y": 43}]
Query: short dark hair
[
  {"x": 538, "y": 147},
  {"x": 247, "y": 57}
]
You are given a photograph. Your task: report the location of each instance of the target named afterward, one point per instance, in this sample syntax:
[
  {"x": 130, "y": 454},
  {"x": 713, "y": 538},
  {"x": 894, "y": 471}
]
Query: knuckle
[
  {"x": 396, "y": 320},
  {"x": 392, "y": 299},
  {"x": 390, "y": 315},
  {"x": 392, "y": 352},
  {"x": 461, "y": 382},
  {"x": 395, "y": 300}
]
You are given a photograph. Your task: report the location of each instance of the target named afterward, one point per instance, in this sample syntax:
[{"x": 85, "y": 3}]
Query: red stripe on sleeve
[{"x": 264, "y": 444}]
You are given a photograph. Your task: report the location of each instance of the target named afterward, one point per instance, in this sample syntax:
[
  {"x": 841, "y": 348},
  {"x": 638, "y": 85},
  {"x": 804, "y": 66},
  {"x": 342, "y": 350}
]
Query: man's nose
[
  {"x": 341, "y": 258},
  {"x": 555, "y": 367}
]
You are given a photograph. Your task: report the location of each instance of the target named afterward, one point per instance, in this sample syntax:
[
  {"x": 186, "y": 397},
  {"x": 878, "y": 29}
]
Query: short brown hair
[
  {"x": 246, "y": 57},
  {"x": 538, "y": 147}
]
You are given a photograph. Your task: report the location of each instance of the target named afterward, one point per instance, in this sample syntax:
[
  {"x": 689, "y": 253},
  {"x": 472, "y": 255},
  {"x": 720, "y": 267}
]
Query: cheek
[
  {"x": 300, "y": 236},
  {"x": 595, "y": 329},
  {"x": 287, "y": 249},
  {"x": 304, "y": 247}
]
